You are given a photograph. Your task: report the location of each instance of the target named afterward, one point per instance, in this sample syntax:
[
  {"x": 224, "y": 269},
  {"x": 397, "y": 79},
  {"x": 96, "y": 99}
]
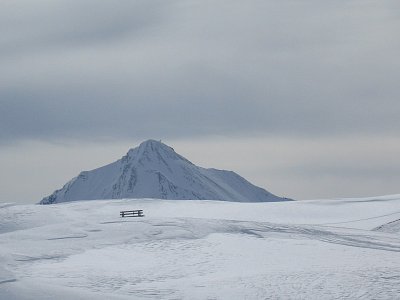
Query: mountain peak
[
  {"x": 154, "y": 145},
  {"x": 155, "y": 170},
  {"x": 153, "y": 150},
  {"x": 153, "y": 142}
]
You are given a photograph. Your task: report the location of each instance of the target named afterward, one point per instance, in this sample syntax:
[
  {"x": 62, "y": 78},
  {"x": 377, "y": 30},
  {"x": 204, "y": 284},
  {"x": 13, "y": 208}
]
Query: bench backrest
[{"x": 132, "y": 213}]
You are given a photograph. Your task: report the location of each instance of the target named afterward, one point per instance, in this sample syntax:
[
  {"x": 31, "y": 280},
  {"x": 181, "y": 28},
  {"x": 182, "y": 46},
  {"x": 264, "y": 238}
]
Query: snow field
[{"x": 320, "y": 249}]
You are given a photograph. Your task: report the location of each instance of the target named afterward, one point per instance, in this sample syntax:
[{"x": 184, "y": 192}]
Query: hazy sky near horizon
[{"x": 300, "y": 97}]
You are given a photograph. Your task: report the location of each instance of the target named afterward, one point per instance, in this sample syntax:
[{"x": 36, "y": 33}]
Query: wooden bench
[{"x": 132, "y": 213}]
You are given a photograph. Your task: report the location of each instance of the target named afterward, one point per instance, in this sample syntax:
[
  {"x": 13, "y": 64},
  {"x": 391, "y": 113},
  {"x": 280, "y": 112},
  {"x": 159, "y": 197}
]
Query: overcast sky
[{"x": 301, "y": 97}]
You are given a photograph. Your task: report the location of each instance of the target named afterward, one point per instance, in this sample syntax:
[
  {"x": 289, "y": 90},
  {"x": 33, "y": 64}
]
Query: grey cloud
[
  {"x": 27, "y": 27},
  {"x": 93, "y": 69},
  {"x": 349, "y": 171}
]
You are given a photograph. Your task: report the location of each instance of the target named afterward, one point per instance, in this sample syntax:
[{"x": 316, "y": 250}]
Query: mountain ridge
[{"x": 155, "y": 170}]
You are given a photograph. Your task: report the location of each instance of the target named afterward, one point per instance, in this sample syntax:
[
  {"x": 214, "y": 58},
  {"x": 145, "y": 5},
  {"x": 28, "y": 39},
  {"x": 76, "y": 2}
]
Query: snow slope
[
  {"x": 317, "y": 249},
  {"x": 155, "y": 170}
]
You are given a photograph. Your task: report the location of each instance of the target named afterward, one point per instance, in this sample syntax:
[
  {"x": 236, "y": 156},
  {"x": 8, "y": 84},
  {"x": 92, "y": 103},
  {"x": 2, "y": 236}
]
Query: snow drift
[{"x": 155, "y": 170}]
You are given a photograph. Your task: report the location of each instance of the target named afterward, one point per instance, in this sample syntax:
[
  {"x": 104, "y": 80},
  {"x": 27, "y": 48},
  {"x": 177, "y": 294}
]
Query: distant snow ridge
[{"x": 155, "y": 170}]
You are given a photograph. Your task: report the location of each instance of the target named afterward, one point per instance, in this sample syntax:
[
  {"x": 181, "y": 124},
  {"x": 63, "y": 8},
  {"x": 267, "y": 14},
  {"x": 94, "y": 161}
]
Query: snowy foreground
[{"x": 322, "y": 249}]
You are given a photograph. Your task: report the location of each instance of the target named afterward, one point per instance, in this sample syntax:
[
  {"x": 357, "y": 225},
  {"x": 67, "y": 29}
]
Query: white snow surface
[
  {"x": 155, "y": 170},
  {"x": 200, "y": 249}
]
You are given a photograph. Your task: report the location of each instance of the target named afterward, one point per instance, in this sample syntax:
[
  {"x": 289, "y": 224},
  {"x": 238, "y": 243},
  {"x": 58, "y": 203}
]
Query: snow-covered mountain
[{"x": 155, "y": 170}]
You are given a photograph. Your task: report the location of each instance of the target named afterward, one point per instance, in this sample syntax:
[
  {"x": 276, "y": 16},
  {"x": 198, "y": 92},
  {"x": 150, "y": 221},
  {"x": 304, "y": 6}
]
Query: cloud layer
[{"x": 96, "y": 69}]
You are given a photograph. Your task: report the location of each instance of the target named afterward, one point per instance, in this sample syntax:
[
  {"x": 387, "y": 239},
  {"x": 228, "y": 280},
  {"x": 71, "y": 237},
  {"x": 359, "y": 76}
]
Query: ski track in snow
[{"x": 201, "y": 250}]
